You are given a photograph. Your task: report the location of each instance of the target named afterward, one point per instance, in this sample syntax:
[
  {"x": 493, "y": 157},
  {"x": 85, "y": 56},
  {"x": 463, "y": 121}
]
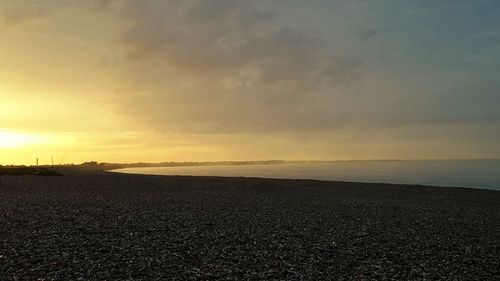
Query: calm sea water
[{"x": 456, "y": 173}]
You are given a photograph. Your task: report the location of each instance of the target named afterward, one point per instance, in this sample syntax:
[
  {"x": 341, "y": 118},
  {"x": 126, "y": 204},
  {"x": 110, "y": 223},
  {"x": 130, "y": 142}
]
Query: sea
[{"x": 484, "y": 174}]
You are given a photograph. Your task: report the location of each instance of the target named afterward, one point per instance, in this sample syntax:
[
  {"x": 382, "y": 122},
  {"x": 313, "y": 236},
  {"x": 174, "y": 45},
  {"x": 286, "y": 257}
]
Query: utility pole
[
  {"x": 52, "y": 160},
  {"x": 37, "y": 161}
]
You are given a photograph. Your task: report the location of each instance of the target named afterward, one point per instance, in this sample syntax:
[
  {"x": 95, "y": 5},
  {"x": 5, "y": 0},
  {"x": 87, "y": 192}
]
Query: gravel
[{"x": 106, "y": 226}]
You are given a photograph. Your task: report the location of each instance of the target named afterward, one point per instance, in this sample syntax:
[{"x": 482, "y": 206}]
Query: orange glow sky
[{"x": 127, "y": 81}]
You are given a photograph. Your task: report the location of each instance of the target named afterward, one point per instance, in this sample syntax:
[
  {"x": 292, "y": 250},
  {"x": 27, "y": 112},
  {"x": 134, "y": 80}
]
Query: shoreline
[
  {"x": 302, "y": 179},
  {"x": 133, "y": 171},
  {"x": 114, "y": 226}
]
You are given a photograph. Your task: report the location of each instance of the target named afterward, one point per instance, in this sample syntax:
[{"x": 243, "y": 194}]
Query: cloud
[
  {"x": 225, "y": 66},
  {"x": 18, "y": 14},
  {"x": 368, "y": 33}
]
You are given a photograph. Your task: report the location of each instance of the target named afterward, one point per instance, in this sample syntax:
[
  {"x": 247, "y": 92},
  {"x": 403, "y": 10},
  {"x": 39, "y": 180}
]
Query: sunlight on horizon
[{"x": 11, "y": 139}]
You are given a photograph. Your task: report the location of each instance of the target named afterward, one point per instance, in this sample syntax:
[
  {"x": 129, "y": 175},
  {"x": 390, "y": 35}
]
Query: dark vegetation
[
  {"x": 94, "y": 166},
  {"x": 25, "y": 170}
]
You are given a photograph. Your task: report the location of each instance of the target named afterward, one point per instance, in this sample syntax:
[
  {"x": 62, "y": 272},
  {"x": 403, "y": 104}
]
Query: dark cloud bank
[{"x": 228, "y": 66}]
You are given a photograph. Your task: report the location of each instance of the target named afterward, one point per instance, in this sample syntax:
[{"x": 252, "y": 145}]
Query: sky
[{"x": 193, "y": 80}]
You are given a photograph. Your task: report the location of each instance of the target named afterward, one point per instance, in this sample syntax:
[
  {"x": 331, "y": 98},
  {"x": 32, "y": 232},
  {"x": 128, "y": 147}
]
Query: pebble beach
[{"x": 109, "y": 226}]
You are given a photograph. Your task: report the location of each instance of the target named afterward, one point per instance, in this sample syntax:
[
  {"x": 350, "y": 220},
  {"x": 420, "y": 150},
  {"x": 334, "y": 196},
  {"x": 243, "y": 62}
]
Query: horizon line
[{"x": 250, "y": 161}]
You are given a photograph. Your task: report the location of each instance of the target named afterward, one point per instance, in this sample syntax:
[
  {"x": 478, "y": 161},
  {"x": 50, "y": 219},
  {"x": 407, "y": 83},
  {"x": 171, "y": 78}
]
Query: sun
[{"x": 9, "y": 139}]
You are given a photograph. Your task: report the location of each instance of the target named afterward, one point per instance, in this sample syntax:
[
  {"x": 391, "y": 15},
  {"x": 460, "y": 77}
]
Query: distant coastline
[
  {"x": 107, "y": 166},
  {"x": 94, "y": 165}
]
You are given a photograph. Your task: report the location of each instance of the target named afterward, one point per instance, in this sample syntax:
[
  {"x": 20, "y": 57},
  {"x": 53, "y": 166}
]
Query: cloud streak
[{"x": 19, "y": 14}]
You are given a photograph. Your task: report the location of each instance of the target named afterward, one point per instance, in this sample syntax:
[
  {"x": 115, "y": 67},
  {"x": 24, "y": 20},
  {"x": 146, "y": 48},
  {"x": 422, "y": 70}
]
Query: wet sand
[{"x": 106, "y": 226}]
